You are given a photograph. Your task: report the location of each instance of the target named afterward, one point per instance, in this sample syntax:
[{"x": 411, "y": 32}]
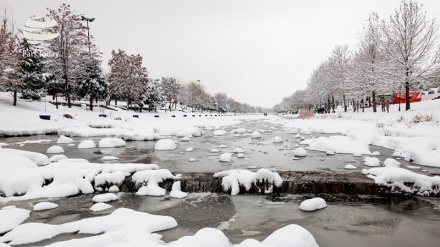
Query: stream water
[{"x": 365, "y": 221}]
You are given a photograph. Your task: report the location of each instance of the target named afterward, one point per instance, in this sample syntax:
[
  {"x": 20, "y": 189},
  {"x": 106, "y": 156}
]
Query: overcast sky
[{"x": 255, "y": 51}]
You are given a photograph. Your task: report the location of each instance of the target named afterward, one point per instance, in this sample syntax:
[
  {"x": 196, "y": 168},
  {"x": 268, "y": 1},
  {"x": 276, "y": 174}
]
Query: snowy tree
[
  {"x": 171, "y": 89},
  {"x": 93, "y": 84},
  {"x": 339, "y": 63},
  {"x": 33, "y": 72},
  {"x": 221, "y": 99},
  {"x": 127, "y": 78},
  {"x": 411, "y": 43},
  {"x": 153, "y": 96},
  {"x": 70, "y": 46},
  {"x": 9, "y": 59}
]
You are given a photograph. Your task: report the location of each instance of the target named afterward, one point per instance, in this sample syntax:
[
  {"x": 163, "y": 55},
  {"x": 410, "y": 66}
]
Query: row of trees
[
  {"x": 393, "y": 56},
  {"x": 70, "y": 65}
]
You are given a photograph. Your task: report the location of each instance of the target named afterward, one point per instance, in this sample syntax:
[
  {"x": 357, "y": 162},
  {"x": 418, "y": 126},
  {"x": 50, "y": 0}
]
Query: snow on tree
[
  {"x": 153, "y": 96},
  {"x": 410, "y": 41},
  {"x": 9, "y": 59},
  {"x": 339, "y": 63},
  {"x": 93, "y": 84},
  {"x": 171, "y": 89},
  {"x": 70, "y": 46},
  {"x": 127, "y": 78}
]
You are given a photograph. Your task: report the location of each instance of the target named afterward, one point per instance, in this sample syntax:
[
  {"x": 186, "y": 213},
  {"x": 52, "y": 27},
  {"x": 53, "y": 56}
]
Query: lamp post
[{"x": 83, "y": 18}]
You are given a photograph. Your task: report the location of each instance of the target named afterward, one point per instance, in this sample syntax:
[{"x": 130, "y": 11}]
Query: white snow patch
[
  {"x": 232, "y": 179},
  {"x": 190, "y": 149},
  {"x": 390, "y": 162},
  {"x": 111, "y": 142},
  {"x": 277, "y": 139},
  {"x": 55, "y": 150},
  {"x": 44, "y": 206},
  {"x": 165, "y": 144},
  {"x": 350, "y": 167},
  {"x": 87, "y": 144},
  {"x": 109, "y": 158},
  {"x": 300, "y": 152},
  {"x": 108, "y": 197},
  {"x": 12, "y": 217},
  {"x": 226, "y": 157},
  {"x": 371, "y": 161},
  {"x": 57, "y": 158},
  {"x": 313, "y": 204},
  {"x": 100, "y": 206},
  {"x": 64, "y": 140},
  {"x": 256, "y": 135},
  {"x": 219, "y": 133},
  {"x": 176, "y": 191}
]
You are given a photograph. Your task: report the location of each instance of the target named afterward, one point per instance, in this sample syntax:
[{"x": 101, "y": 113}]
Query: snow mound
[
  {"x": 133, "y": 135},
  {"x": 176, "y": 191},
  {"x": 292, "y": 236},
  {"x": 313, "y": 204},
  {"x": 64, "y": 140},
  {"x": 256, "y": 135},
  {"x": 238, "y": 131},
  {"x": 240, "y": 155},
  {"x": 330, "y": 153},
  {"x": 100, "y": 206},
  {"x": 12, "y": 217},
  {"x": 350, "y": 167},
  {"x": 190, "y": 149},
  {"x": 192, "y": 160},
  {"x": 306, "y": 131},
  {"x": 222, "y": 146},
  {"x": 390, "y": 162},
  {"x": 44, "y": 206},
  {"x": 371, "y": 161},
  {"x": 405, "y": 181},
  {"x": 57, "y": 158},
  {"x": 357, "y": 154},
  {"x": 150, "y": 181},
  {"x": 111, "y": 142},
  {"x": 238, "y": 150},
  {"x": 87, "y": 144},
  {"x": 185, "y": 139},
  {"x": 375, "y": 153},
  {"x": 277, "y": 139},
  {"x": 402, "y": 154},
  {"x": 214, "y": 150},
  {"x": 300, "y": 152},
  {"x": 113, "y": 189},
  {"x": 55, "y": 150},
  {"x": 109, "y": 158},
  {"x": 108, "y": 197},
  {"x": 226, "y": 157},
  {"x": 219, "y": 133},
  {"x": 190, "y": 131},
  {"x": 165, "y": 144},
  {"x": 37, "y": 158},
  {"x": 338, "y": 144},
  {"x": 233, "y": 179}
]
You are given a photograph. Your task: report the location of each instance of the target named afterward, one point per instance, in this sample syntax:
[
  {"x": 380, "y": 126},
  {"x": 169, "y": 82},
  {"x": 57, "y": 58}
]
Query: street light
[{"x": 83, "y": 18}]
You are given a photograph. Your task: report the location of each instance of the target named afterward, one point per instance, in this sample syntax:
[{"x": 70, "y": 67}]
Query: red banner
[{"x": 413, "y": 97}]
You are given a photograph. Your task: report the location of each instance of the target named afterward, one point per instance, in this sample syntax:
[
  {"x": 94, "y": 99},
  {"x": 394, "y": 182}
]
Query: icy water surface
[{"x": 345, "y": 222}]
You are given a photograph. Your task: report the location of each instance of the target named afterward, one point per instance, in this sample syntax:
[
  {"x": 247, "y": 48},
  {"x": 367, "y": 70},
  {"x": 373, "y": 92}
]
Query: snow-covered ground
[{"x": 413, "y": 135}]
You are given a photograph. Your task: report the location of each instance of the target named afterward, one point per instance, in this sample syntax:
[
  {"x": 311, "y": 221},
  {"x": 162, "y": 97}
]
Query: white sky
[{"x": 255, "y": 51}]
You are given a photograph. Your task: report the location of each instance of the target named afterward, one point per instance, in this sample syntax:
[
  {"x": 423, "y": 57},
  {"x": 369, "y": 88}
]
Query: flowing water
[{"x": 346, "y": 221}]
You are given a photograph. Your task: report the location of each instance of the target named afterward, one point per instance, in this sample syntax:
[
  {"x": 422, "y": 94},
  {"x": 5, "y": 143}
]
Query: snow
[
  {"x": 222, "y": 146},
  {"x": 404, "y": 181},
  {"x": 150, "y": 180},
  {"x": 190, "y": 131},
  {"x": 109, "y": 158},
  {"x": 111, "y": 142},
  {"x": 313, "y": 204},
  {"x": 238, "y": 150},
  {"x": 55, "y": 150},
  {"x": 64, "y": 140},
  {"x": 100, "y": 206},
  {"x": 240, "y": 155},
  {"x": 238, "y": 131},
  {"x": 390, "y": 162},
  {"x": 176, "y": 191},
  {"x": 256, "y": 135},
  {"x": 165, "y": 144},
  {"x": 300, "y": 152},
  {"x": 44, "y": 206},
  {"x": 185, "y": 139},
  {"x": 232, "y": 179},
  {"x": 12, "y": 217},
  {"x": 338, "y": 144},
  {"x": 57, "y": 158},
  {"x": 87, "y": 144},
  {"x": 138, "y": 135},
  {"x": 37, "y": 158},
  {"x": 277, "y": 139},
  {"x": 219, "y": 133},
  {"x": 292, "y": 236},
  {"x": 330, "y": 153},
  {"x": 108, "y": 197},
  {"x": 371, "y": 161},
  {"x": 192, "y": 160},
  {"x": 226, "y": 157},
  {"x": 350, "y": 167},
  {"x": 214, "y": 150},
  {"x": 190, "y": 149}
]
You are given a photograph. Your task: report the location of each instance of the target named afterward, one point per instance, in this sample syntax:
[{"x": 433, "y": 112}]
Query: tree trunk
[
  {"x": 373, "y": 95},
  {"x": 15, "y": 98},
  {"x": 333, "y": 104},
  {"x": 91, "y": 103},
  {"x": 69, "y": 104},
  {"x": 407, "y": 98},
  {"x": 56, "y": 100},
  {"x": 345, "y": 104},
  {"x": 116, "y": 101}
]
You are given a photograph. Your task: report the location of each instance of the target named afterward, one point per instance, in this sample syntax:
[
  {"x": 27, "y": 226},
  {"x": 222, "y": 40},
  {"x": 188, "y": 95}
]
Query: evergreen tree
[{"x": 93, "y": 84}]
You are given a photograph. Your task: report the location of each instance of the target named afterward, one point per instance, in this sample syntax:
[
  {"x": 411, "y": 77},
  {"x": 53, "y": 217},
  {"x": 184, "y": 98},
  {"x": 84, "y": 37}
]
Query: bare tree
[{"x": 410, "y": 43}]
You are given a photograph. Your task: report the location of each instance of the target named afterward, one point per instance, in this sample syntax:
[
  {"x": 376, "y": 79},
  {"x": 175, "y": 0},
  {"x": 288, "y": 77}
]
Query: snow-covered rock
[
  {"x": 214, "y": 150},
  {"x": 55, "y": 150},
  {"x": 313, "y": 204},
  {"x": 44, "y": 206},
  {"x": 108, "y": 197},
  {"x": 113, "y": 189},
  {"x": 111, "y": 142},
  {"x": 277, "y": 139},
  {"x": 240, "y": 155},
  {"x": 100, "y": 206},
  {"x": 64, "y": 140},
  {"x": 292, "y": 236},
  {"x": 192, "y": 160},
  {"x": 375, "y": 153},
  {"x": 306, "y": 131},
  {"x": 12, "y": 217},
  {"x": 190, "y": 149},
  {"x": 239, "y": 131},
  {"x": 136, "y": 135},
  {"x": 219, "y": 133},
  {"x": 330, "y": 153},
  {"x": 256, "y": 135},
  {"x": 86, "y": 144},
  {"x": 57, "y": 158},
  {"x": 37, "y": 158},
  {"x": 176, "y": 191},
  {"x": 109, "y": 157},
  {"x": 350, "y": 167},
  {"x": 222, "y": 146},
  {"x": 226, "y": 157},
  {"x": 300, "y": 152},
  {"x": 165, "y": 144},
  {"x": 190, "y": 131},
  {"x": 371, "y": 161},
  {"x": 185, "y": 139},
  {"x": 357, "y": 154},
  {"x": 390, "y": 162},
  {"x": 152, "y": 178},
  {"x": 238, "y": 150}
]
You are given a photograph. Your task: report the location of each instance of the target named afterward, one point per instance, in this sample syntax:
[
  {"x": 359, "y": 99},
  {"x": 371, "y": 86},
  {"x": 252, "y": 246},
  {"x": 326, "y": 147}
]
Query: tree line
[
  {"x": 395, "y": 55},
  {"x": 70, "y": 66}
]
